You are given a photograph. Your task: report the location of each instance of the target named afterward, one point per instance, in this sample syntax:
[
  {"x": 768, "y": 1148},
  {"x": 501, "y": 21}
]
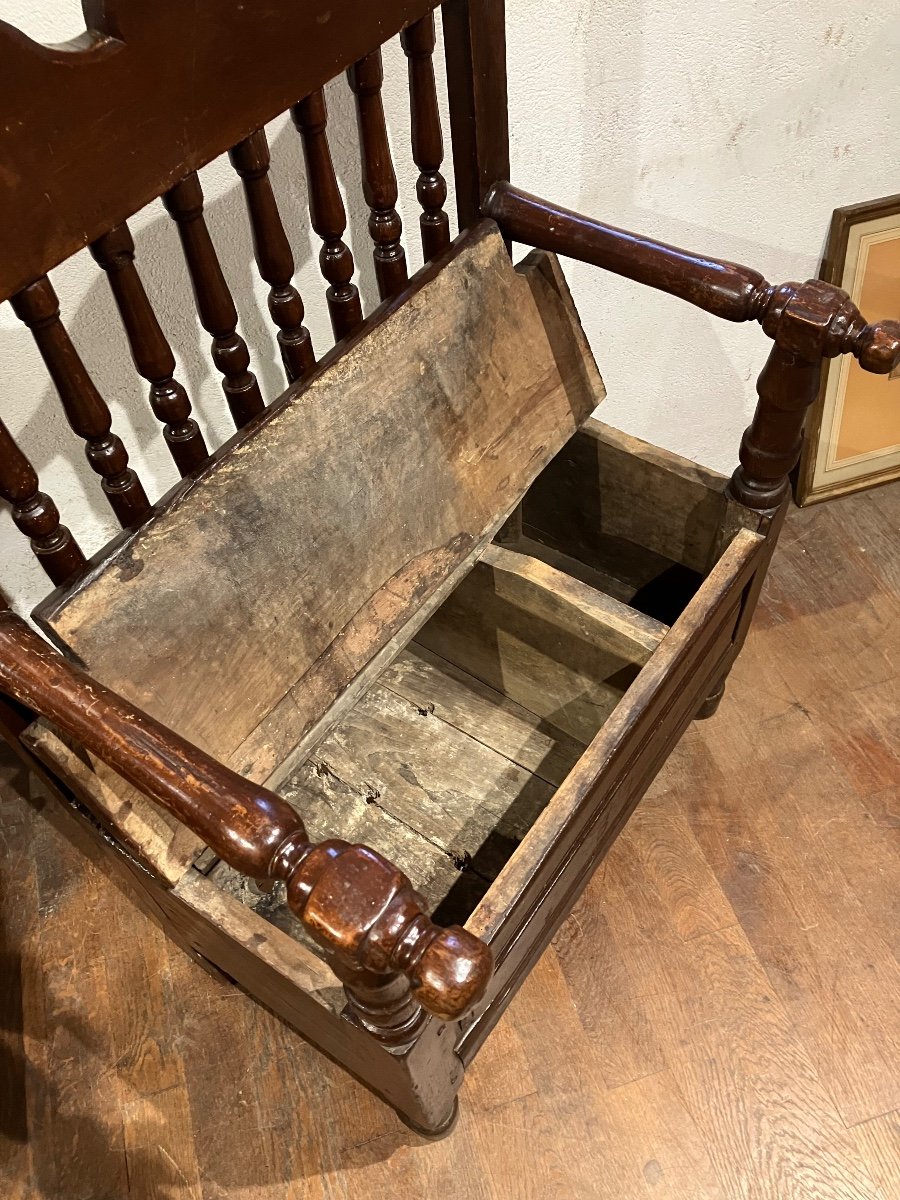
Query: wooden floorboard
[{"x": 717, "y": 1020}]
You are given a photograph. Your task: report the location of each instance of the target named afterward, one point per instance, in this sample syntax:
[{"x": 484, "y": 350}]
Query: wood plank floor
[{"x": 719, "y": 1017}]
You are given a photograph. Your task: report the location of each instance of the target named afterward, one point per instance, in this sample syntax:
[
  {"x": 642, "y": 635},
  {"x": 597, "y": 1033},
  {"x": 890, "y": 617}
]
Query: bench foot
[
  {"x": 708, "y": 708},
  {"x": 441, "y": 1131}
]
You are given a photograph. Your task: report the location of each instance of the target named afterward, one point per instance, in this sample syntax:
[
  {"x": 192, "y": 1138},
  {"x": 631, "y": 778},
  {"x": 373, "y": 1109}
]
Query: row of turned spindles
[{"x": 34, "y": 512}]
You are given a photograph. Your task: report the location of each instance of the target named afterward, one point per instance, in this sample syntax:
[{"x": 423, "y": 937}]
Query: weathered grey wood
[
  {"x": 272, "y": 749},
  {"x": 311, "y": 544},
  {"x": 603, "y": 581},
  {"x": 608, "y": 492},
  {"x": 556, "y": 830},
  {"x": 546, "y": 641},
  {"x": 432, "y": 778},
  {"x": 471, "y": 706},
  {"x": 457, "y": 793},
  {"x": 574, "y": 606},
  {"x": 446, "y": 773}
]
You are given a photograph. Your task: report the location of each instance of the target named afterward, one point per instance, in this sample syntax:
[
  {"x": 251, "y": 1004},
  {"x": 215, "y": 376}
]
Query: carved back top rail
[{"x": 149, "y": 95}]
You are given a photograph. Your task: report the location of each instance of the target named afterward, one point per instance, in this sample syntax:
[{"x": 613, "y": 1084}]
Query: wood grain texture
[
  {"x": 482, "y": 712},
  {"x": 653, "y": 1052},
  {"x": 364, "y": 913},
  {"x": 319, "y": 560},
  {"x": 610, "y": 494},
  {"x": 441, "y": 772}
]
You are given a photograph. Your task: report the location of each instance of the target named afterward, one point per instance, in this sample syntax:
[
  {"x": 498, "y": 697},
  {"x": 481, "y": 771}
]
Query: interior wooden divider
[{"x": 453, "y": 752}]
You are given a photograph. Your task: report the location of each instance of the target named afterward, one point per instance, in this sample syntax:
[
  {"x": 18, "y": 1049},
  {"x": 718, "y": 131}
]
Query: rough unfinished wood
[
  {"x": 438, "y": 767},
  {"x": 546, "y": 641},
  {"x": 609, "y": 492},
  {"x": 440, "y": 772},
  {"x": 320, "y": 536},
  {"x": 568, "y": 805},
  {"x": 464, "y": 701}
]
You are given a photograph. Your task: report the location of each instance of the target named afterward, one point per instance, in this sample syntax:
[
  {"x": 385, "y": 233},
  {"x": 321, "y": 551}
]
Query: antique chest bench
[{"x": 356, "y": 709}]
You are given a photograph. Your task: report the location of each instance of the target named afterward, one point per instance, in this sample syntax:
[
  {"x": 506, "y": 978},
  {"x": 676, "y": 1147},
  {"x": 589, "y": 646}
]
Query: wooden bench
[{"x": 357, "y": 707}]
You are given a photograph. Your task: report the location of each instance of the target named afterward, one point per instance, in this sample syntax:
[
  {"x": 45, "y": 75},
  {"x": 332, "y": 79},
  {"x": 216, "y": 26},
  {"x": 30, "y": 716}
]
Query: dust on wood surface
[
  {"x": 438, "y": 772},
  {"x": 314, "y": 542}
]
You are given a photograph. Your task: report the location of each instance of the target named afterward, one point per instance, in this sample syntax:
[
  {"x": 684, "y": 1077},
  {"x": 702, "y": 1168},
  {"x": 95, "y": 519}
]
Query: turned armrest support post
[
  {"x": 356, "y": 904},
  {"x": 808, "y": 322}
]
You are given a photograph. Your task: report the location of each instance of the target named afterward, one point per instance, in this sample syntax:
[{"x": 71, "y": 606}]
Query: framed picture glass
[{"x": 852, "y": 435}]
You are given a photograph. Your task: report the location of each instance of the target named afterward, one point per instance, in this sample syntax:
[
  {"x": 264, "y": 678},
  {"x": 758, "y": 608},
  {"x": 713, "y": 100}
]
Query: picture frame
[{"x": 852, "y": 435}]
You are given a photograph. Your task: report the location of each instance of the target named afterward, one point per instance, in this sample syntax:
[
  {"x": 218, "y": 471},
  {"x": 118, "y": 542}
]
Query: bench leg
[{"x": 708, "y": 708}]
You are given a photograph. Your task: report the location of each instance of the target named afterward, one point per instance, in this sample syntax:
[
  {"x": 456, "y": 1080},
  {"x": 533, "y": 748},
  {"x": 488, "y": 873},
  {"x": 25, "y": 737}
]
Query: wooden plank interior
[
  {"x": 717, "y": 1018},
  {"x": 607, "y": 491},
  {"x": 605, "y": 764},
  {"x": 529, "y": 631},
  {"x": 319, "y": 540},
  {"x": 441, "y": 769}
]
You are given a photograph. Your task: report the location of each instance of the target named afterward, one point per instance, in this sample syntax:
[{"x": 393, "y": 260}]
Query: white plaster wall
[{"x": 732, "y": 128}]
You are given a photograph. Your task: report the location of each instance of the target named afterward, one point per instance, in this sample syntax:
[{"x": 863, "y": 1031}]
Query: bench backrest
[{"x": 97, "y": 129}]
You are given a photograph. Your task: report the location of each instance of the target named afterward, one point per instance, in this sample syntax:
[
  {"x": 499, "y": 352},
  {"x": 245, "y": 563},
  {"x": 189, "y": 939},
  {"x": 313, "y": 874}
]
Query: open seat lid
[{"x": 311, "y": 550}]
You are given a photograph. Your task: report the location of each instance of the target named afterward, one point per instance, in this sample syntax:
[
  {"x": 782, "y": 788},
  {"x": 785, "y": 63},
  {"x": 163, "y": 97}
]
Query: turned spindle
[
  {"x": 358, "y": 906},
  {"x": 272, "y": 250},
  {"x": 326, "y": 210},
  {"x": 808, "y": 322},
  {"x": 35, "y": 514},
  {"x": 215, "y": 305},
  {"x": 84, "y": 407},
  {"x": 418, "y": 42},
  {"x": 150, "y": 351},
  {"x": 379, "y": 182}
]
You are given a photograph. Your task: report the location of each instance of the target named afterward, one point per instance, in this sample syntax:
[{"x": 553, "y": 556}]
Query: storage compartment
[
  {"x": 263, "y": 599},
  {"x": 494, "y": 753},
  {"x": 480, "y": 725},
  {"x": 635, "y": 521},
  {"x": 371, "y": 654},
  {"x": 446, "y": 761}
]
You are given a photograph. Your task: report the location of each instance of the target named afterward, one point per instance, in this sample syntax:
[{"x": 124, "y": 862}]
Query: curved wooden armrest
[
  {"x": 807, "y": 321},
  {"x": 356, "y": 904}
]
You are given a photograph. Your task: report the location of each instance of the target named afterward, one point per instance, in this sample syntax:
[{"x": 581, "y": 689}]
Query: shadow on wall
[
  {"x": 94, "y": 326},
  {"x": 670, "y": 147}
]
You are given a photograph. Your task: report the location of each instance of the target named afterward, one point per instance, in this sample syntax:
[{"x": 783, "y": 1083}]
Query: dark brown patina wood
[
  {"x": 85, "y": 409},
  {"x": 475, "y": 49},
  {"x": 35, "y": 514},
  {"x": 215, "y": 306},
  {"x": 808, "y": 322},
  {"x": 350, "y": 899},
  {"x": 326, "y": 210},
  {"x": 150, "y": 350},
  {"x": 427, "y": 139},
  {"x": 88, "y": 138},
  {"x": 272, "y": 249},
  {"x": 94, "y": 135}
]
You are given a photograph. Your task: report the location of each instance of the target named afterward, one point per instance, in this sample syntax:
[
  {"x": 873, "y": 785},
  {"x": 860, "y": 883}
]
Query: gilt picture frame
[{"x": 852, "y": 435}]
